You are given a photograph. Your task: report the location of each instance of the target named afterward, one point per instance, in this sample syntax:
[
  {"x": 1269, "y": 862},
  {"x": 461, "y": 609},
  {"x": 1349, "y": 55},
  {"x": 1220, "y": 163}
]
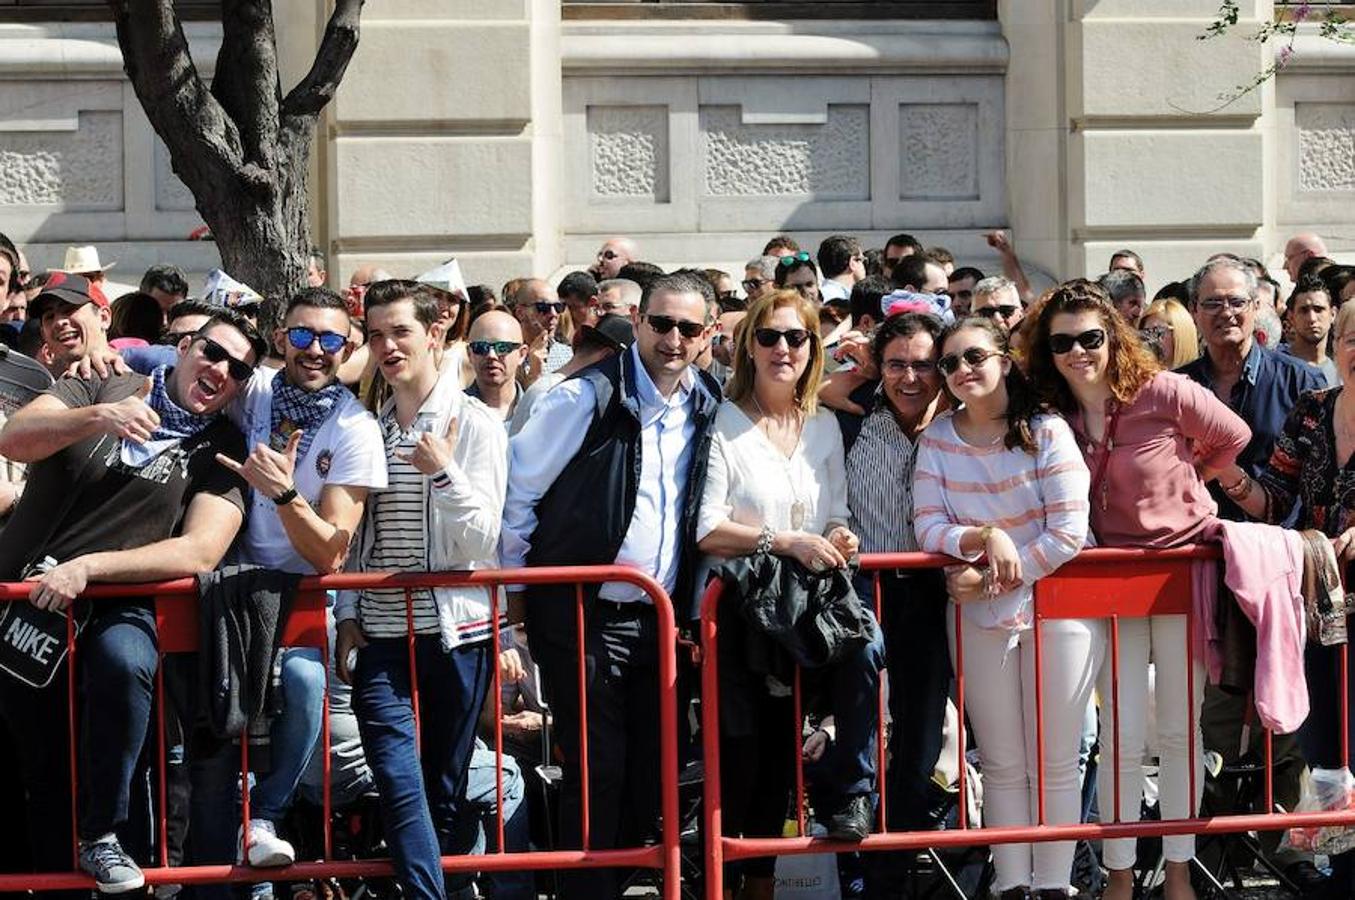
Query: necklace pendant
[{"x": 797, "y": 515}]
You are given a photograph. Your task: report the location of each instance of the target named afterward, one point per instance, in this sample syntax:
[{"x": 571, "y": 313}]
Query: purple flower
[
  {"x": 1301, "y": 11},
  {"x": 1286, "y": 53}
]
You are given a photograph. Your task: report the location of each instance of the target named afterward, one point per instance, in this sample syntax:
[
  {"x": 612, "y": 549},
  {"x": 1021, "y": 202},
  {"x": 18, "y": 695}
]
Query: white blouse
[{"x": 750, "y": 482}]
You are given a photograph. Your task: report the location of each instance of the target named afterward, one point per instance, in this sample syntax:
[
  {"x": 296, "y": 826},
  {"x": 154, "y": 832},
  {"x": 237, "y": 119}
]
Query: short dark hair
[
  {"x": 866, "y": 296},
  {"x": 167, "y": 278},
  {"x": 191, "y": 308},
  {"x": 1312, "y": 285},
  {"x": 781, "y": 242},
  {"x": 911, "y": 271},
  {"x": 835, "y": 254},
  {"x": 393, "y": 290},
  {"x": 578, "y": 285},
  {"x": 479, "y": 293},
  {"x": 316, "y": 298},
  {"x": 683, "y": 281},
  {"x": 904, "y": 325},
  {"x": 1336, "y": 278},
  {"x": 9, "y": 251},
  {"x": 1127, "y": 254},
  {"x": 903, "y": 239},
  {"x": 875, "y": 262},
  {"x": 136, "y": 315},
  {"x": 1315, "y": 265},
  {"x": 227, "y": 316},
  {"x": 1121, "y": 284},
  {"x": 642, "y": 273},
  {"x": 939, "y": 255},
  {"x": 789, "y": 265},
  {"x": 964, "y": 272},
  {"x": 1174, "y": 290}
]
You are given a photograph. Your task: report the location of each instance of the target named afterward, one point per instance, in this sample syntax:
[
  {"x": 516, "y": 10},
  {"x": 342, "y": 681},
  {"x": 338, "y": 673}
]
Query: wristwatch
[{"x": 285, "y": 497}]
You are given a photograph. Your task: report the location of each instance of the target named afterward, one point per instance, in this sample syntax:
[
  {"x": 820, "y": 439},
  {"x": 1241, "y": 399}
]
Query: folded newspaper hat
[
  {"x": 446, "y": 277},
  {"x": 220, "y": 289}
]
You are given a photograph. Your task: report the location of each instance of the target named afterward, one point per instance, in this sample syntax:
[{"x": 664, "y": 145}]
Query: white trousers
[
  {"x": 1000, "y": 702},
  {"x": 1161, "y": 640}
]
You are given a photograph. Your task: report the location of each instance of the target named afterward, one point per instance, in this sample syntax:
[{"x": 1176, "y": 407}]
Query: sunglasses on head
[
  {"x": 1090, "y": 339},
  {"x": 802, "y": 256},
  {"x": 768, "y": 337},
  {"x": 215, "y": 353},
  {"x": 973, "y": 357},
  {"x": 500, "y": 348},
  {"x": 543, "y": 307},
  {"x": 301, "y": 338},
  {"x": 992, "y": 312},
  {"x": 665, "y": 324}
]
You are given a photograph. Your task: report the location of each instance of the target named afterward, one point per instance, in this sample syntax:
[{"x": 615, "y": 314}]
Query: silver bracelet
[{"x": 764, "y": 540}]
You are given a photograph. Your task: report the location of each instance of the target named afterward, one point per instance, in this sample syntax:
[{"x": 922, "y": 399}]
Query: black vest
[{"x": 583, "y": 517}]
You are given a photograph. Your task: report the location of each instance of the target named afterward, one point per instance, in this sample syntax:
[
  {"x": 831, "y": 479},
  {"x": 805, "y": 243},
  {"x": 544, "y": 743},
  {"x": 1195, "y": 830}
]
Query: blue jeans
[
  {"x": 422, "y": 783},
  {"x": 295, "y": 732},
  {"x": 482, "y": 796}
]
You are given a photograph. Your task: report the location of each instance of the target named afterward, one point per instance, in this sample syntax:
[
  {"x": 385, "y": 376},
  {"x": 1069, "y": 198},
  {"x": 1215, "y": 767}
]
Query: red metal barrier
[
  {"x": 176, "y": 619},
  {"x": 1111, "y": 584}
]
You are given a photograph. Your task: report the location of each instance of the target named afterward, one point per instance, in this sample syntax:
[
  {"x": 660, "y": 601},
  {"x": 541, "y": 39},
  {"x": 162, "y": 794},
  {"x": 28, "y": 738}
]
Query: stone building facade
[{"x": 519, "y": 134}]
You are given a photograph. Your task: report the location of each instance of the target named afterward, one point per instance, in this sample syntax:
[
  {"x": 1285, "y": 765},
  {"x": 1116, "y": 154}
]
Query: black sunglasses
[
  {"x": 992, "y": 312},
  {"x": 768, "y": 337},
  {"x": 502, "y": 348},
  {"x": 301, "y": 337},
  {"x": 215, "y": 353},
  {"x": 685, "y": 327},
  {"x": 973, "y": 357},
  {"x": 544, "y": 307},
  {"x": 1090, "y": 339}
]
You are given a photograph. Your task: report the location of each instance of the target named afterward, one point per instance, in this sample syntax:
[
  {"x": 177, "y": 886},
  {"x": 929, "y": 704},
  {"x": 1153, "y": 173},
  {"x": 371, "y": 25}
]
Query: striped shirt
[
  {"x": 400, "y": 520},
  {"x": 1039, "y": 500},
  {"x": 880, "y": 484}
]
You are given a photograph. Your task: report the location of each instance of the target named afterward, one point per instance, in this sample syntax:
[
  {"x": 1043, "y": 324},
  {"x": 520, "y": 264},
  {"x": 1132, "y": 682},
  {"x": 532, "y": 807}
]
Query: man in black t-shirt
[{"x": 123, "y": 487}]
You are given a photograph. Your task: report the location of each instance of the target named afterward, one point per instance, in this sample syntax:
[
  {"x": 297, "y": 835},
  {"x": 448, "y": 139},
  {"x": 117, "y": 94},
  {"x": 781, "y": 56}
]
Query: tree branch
[
  {"x": 204, "y": 142},
  {"x": 246, "y": 80},
  {"x": 331, "y": 60}
]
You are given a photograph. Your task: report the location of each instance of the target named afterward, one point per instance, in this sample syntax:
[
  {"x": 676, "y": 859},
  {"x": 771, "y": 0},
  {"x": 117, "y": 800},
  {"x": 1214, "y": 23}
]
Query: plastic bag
[{"x": 1324, "y": 790}]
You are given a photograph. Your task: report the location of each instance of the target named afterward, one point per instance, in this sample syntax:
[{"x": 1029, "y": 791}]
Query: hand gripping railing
[
  {"x": 1111, "y": 584},
  {"x": 176, "y": 619}
]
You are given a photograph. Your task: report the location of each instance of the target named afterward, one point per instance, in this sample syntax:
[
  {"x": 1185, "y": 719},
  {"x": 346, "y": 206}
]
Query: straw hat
[{"x": 80, "y": 260}]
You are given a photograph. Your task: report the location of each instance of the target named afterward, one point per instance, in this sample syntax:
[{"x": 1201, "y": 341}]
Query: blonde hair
[
  {"x": 1343, "y": 321},
  {"x": 1185, "y": 339},
  {"x": 740, "y": 385}
]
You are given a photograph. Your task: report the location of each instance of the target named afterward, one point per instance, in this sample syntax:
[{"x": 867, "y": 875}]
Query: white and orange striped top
[{"x": 1040, "y": 500}]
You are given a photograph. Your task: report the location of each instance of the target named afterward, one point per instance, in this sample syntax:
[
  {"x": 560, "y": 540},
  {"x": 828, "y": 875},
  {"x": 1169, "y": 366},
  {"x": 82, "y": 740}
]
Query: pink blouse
[{"x": 1150, "y": 493}]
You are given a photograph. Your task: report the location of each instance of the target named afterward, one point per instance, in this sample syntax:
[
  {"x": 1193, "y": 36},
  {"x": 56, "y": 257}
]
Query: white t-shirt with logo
[{"x": 347, "y": 450}]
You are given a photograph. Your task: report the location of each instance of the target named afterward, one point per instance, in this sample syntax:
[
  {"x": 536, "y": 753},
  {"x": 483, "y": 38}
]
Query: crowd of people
[{"x": 692, "y": 425}]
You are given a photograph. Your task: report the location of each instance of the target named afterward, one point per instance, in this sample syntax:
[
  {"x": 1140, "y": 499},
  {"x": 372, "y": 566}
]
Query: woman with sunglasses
[
  {"x": 1157, "y": 437},
  {"x": 776, "y": 483},
  {"x": 999, "y": 478}
]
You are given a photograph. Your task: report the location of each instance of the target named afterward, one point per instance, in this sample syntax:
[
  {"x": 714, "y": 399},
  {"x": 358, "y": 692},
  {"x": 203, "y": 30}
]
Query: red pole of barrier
[
  {"x": 498, "y": 716},
  {"x": 585, "y": 811},
  {"x": 1345, "y": 705},
  {"x": 70, "y": 724},
  {"x": 1039, "y": 715},
  {"x": 880, "y": 773},
  {"x": 1115, "y": 705},
  {"x": 413, "y": 672},
  {"x": 799, "y": 756},
  {"x": 959, "y": 724},
  {"x": 1270, "y": 772},
  {"x": 326, "y": 799},
  {"x": 668, "y": 754},
  {"x": 710, "y": 743},
  {"x": 163, "y": 819},
  {"x": 1190, "y": 702}
]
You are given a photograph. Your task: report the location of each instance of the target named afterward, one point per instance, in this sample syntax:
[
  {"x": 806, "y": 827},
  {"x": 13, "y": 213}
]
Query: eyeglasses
[
  {"x": 215, "y": 353},
  {"x": 302, "y": 337},
  {"x": 801, "y": 257},
  {"x": 685, "y": 327},
  {"x": 973, "y": 358},
  {"x": 726, "y": 296},
  {"x": 753, "y": 284},
  {"x": 543, "y": 307},
  {"x": 1155, "y": 332},
  {"x": 992, "y": 312},
  {"x": 500, "y": 348},
  {"x": 1090, "y": 339},
  {"x": 768, "y": 337},
  {"x": 1234, "y": 304},
  {"x": 920, "y": 368}
]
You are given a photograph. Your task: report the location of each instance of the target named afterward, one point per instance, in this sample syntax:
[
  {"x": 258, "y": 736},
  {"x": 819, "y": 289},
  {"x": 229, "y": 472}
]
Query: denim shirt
[{"x": 1270, "y": 385}]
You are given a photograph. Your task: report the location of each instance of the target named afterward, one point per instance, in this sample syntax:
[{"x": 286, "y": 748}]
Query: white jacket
[{"x": 461, "y": 520}]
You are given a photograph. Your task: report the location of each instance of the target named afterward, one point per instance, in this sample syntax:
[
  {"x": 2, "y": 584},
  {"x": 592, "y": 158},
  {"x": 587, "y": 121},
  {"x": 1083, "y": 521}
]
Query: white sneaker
[{"x": 266, "y": 849}]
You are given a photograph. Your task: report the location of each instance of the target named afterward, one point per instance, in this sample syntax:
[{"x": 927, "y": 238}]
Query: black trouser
[
  {"x": 622, "y": 681},
  {"x": 1320, "y": 734}
]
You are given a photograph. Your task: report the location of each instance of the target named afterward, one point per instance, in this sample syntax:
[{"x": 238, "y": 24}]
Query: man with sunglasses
[
  {"x": 620, "y": 447},
  {"x": 122, "y": 487},
  {"x": 613, "y": 256},
  {"x": 538, "y": 307},
  {"x": 996, "y": 298},
  {"x": 496, "y": 354}
]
